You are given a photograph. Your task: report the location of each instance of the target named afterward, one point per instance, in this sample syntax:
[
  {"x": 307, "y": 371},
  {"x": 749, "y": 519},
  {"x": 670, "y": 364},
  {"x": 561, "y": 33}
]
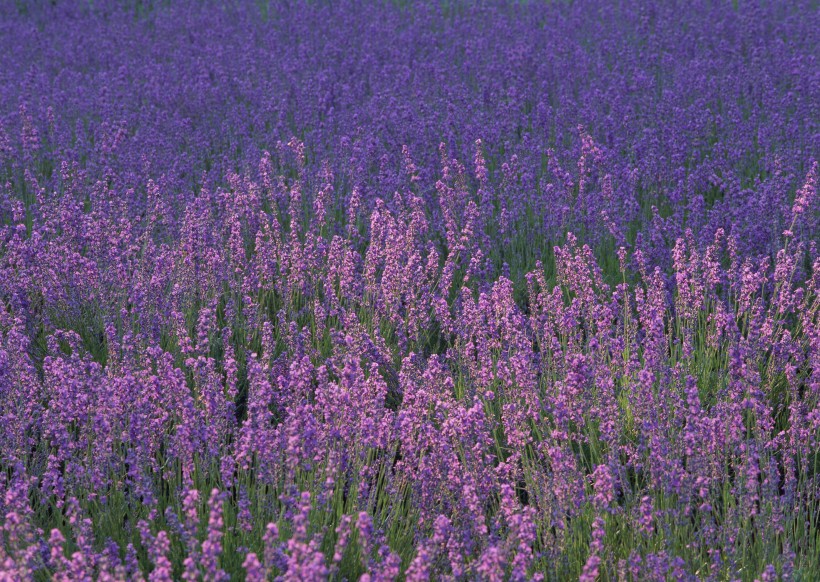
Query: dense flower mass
[{"x": 409, "y": 290}]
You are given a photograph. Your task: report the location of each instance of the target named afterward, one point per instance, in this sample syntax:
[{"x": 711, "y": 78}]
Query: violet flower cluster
[{"x": 398, "y": 290}]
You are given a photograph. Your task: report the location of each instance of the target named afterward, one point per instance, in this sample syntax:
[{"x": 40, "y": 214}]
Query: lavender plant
[{"x": 409, "y": 291}]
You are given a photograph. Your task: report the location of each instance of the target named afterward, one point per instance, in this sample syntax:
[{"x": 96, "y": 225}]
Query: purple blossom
[{"x": 436, "y": 291}]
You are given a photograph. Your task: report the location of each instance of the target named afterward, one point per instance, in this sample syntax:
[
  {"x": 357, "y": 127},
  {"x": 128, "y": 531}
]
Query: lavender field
[{"x": 395, "y": 290}]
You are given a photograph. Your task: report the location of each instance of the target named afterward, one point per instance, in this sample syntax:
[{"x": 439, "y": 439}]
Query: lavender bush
[{"x": 398, "y": 290}]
